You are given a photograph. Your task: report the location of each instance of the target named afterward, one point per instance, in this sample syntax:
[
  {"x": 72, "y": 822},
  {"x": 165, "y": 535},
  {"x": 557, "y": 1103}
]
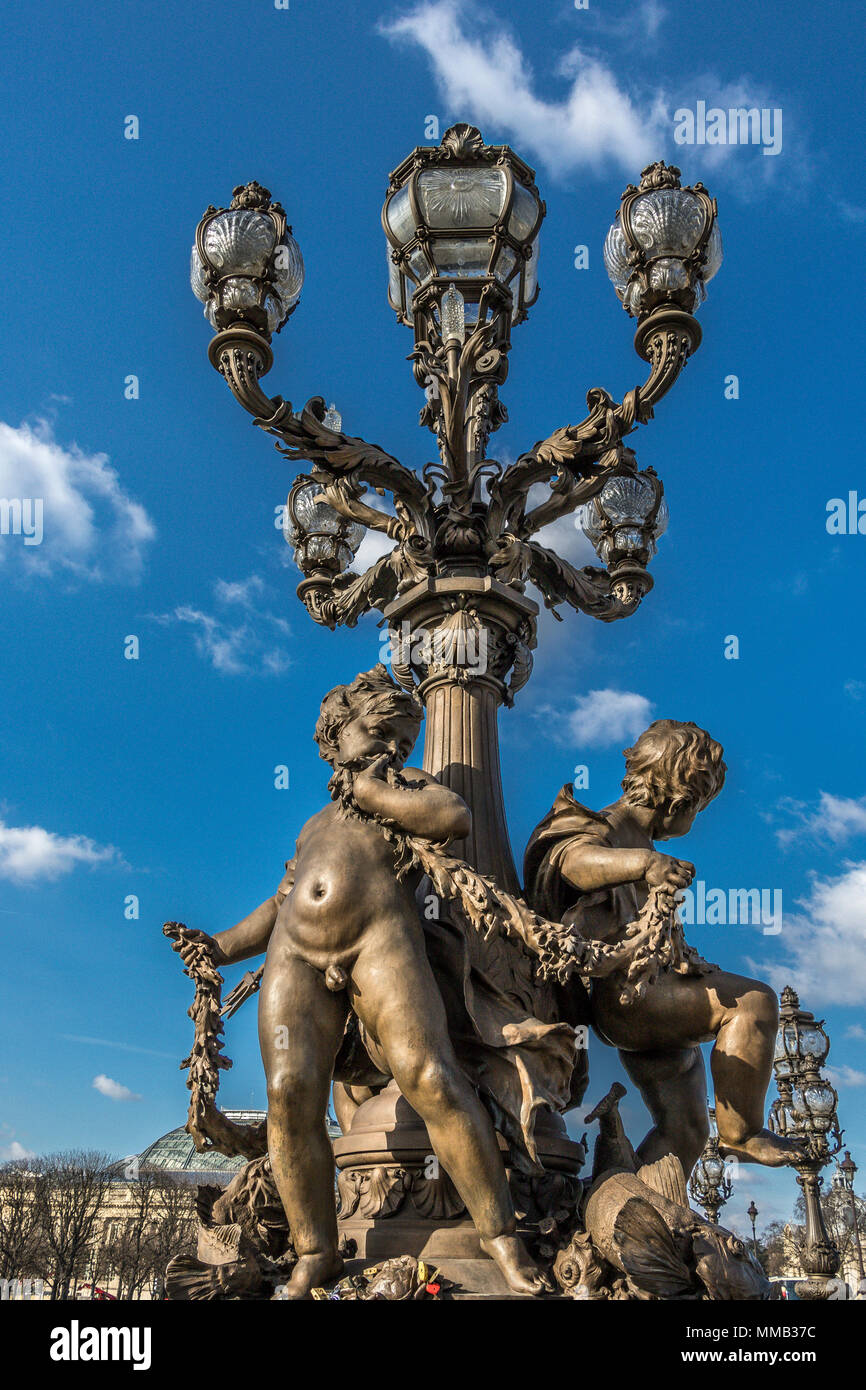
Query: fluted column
[{"x": 478, "y": 632}]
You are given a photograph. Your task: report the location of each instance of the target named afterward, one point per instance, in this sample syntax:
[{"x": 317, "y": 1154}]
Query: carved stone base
[{"x": 395, "y": 1200}]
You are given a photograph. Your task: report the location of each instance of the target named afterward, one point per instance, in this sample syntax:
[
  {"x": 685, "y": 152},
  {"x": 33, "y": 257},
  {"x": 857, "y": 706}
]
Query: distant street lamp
[
  {"x": 848, "y": 1169},
  {"x": 752, "y": 1214},
  {"x": 806, "y": 1110}
]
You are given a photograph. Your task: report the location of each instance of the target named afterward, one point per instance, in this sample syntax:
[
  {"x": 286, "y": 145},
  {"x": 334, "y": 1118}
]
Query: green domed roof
[{"x": 176, "y": 1153}]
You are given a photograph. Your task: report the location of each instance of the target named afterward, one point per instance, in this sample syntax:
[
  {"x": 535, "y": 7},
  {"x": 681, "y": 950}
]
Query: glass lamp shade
[
  {"x": 322, "y": 539},
  {"x": 814, "y": 1043},
  {"x": 816, "y": 1103},
  {"x": 626, "y": 519},
  {"x": 246, "y": 266},
  {"x": 664, "y": 245},
  {"x": 714, "y": 1169},
  {"x": 467, "y": 213}
]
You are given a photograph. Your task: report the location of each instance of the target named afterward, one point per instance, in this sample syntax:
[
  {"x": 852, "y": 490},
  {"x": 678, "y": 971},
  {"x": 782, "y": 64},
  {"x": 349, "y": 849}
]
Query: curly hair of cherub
[
  {"x": 371, "y": 692},
  {"x": 674, "y": 765}
]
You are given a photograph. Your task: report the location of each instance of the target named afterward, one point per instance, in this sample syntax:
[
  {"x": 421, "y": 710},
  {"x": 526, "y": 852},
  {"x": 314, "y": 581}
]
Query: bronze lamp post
[
  {"x": 806, "y": 1110},
  {"x": 462, "y": 225}
]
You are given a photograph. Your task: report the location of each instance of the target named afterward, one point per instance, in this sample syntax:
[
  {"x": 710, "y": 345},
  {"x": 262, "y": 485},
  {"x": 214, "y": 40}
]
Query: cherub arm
[
  {"x": 429, "y": 810},
  {"x": 591, "y": 866},
  {"x": 249, "y": 937}
]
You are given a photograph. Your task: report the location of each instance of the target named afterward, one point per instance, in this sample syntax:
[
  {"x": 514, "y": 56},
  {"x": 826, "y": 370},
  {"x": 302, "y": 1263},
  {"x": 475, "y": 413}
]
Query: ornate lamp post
[
  {"x": 710, "y": 1183},
  {"x": 752, "y": 1214},
  {"x": 848, "y": 1169},
  {"x": 462, "y": 223},
  {"x": 806, "y": 1110}
]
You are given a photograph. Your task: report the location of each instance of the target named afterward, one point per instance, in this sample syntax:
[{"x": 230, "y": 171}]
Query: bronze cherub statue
[
  {"x": 343, "y": 937},
  {"x": 600, "y": 872}
]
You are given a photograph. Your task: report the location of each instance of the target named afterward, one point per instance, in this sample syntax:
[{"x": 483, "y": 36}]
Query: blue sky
[{"x": 155, "y": 777}]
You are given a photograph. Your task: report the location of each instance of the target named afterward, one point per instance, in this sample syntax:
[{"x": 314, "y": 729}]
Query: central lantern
[{"x": 466, "y": 215}]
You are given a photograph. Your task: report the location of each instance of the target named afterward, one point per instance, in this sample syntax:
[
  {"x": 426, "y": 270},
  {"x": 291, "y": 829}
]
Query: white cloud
[
  {"x": 824, "y": 946},
  {"x": 90, "y": 527},
  {"x": 484, "y": 76},
  {"x": 241, "y": 591},
  {"x": 836, "y": 818},
  {"x": 29, "y": 852},
  {"x": 11, "y": 1153},
  {"x": 374, "y": 545},
  {"x": 608, "y": 717},
  {"x": 236, "y": 645},
  {"x": 856, "y": 1031},
  {"x": 113, "y": 1089},
  {"x": 846, "y": 1076},
  {"x": 610, "y": 110}
]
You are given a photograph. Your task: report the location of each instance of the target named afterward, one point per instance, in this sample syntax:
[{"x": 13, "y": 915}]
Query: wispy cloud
[
  {"x": 822, "y": 950},
  {"x": 604, "y": 717},
  {"x": 483, "y": 74},
  {"x": 607, "y": 111},
  {"x": 89, "y": 527},
  {"x": 14, "y": 1150},
  {"x": 843, "y": 1077},
  {"x": 246, "y": 638},
  {"x": 114, "y": 1090},
  {"x": 836, "y": 818},
  {"x": 30, "y": 853},
  {"x": 856, "y": 1031},
  {"x": 120, "y": 1046}
]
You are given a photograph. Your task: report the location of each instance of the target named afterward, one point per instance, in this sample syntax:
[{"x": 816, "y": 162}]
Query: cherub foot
[
  {"x": 773, "y": 1150},
  {"x": 313, "y": 1270},
  {"x": 520, "y": 1272}
]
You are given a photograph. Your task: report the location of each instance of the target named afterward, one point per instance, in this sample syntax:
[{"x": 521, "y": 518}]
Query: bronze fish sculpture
[{"x": 641, "y": 1239}]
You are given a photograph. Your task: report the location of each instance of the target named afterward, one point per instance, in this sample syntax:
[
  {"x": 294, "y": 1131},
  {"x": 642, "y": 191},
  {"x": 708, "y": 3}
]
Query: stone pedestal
[{"x": 395, "y": 1200}]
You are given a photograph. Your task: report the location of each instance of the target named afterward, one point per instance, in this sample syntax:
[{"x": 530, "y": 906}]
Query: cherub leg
[
  {"x": 742, "y": 1064},
  {"x": 673, "y": 1085},
  {"x": 300, "y": 1028},
  {"x": 396, "y": 996}
]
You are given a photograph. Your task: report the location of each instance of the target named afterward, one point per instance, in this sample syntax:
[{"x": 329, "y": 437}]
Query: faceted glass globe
[
  {"x": 667, "y": 225},
  {"x": 288, "y": 277},
  {"x": 314, "y": 517},
  {"x": 667, "y": 222},
  {"x": 714, "y": 1168},
  {"x": 616, "y": 520},
  {"x": 239, "y": 242},
  {"x": 818, "y": 1103},
  {"x": 814, "y": 1042}
]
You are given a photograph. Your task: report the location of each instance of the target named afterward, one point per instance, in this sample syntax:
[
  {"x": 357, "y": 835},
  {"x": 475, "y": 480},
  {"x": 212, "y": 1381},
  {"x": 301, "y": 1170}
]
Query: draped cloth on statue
[{"x": 505, "y": 1028}]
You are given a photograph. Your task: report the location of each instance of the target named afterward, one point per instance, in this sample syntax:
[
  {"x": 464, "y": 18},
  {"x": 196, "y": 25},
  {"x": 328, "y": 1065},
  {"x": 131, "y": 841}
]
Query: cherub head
[
  {"x": 371, "y": 717},
  {"x": 676, "y": 769}
]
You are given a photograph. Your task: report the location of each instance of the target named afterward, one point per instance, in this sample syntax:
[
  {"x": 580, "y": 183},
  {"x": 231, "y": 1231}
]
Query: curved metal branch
[
  {"x": 665, "y": 340},
  {"x": 588, "y": 590}
]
